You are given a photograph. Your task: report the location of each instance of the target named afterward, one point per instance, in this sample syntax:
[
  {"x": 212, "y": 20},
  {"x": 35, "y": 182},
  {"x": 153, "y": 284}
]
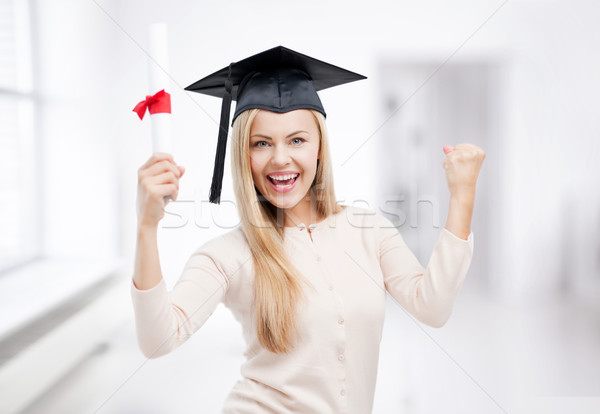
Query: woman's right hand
[{"x": 157, "y": 178}]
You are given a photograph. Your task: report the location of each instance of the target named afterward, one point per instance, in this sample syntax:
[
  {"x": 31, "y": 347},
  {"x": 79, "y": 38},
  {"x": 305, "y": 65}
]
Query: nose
[{"x": 281, "y": 155}]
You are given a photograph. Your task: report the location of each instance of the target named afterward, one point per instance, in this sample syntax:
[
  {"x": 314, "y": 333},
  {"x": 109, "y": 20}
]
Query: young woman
[{"x": 306, "y": 277}]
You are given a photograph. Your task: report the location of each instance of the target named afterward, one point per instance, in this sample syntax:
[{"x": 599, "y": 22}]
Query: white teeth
[{"x": 283, "y": 177}]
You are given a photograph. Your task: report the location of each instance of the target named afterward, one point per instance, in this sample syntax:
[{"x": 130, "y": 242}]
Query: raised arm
[
  {"x": 429, "y": 293},
  {"x": 164, "y": 320},
  {"x": 158, "y": 178}
]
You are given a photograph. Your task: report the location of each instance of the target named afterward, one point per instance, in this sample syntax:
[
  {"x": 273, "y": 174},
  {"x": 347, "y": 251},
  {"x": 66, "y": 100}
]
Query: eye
[
  {"x": 301, "y": 140},
  {"x": 257, "y": 144}
]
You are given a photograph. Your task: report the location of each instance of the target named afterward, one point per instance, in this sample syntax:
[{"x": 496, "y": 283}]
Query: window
[{"x": 19, "y": 215}]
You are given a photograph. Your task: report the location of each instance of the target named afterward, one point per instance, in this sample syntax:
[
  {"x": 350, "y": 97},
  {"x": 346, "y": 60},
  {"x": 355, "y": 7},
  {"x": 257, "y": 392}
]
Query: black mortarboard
[{"x": 278, "y": 80}]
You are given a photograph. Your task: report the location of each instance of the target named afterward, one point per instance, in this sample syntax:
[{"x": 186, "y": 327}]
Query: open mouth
[{"x": 286, "y": 182}]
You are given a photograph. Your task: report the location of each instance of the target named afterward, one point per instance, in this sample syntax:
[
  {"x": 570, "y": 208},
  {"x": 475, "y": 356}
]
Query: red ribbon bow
[{"x": 160, "y": 102}]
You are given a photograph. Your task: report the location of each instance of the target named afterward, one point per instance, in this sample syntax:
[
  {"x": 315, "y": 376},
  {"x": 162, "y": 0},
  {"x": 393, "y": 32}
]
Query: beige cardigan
[{"x": 351, "y": 258}]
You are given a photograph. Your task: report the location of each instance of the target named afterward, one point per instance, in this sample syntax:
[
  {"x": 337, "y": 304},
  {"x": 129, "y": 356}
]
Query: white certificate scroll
[{"x": 158, "y": 79}]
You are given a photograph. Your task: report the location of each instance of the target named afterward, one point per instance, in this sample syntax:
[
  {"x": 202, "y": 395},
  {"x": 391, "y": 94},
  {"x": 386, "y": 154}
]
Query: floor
[{"x": 489, "y": 358}]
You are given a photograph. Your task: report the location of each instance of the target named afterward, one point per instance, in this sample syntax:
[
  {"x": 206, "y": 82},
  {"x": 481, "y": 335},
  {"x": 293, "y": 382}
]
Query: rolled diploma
[{"x": 158, "y": 79}]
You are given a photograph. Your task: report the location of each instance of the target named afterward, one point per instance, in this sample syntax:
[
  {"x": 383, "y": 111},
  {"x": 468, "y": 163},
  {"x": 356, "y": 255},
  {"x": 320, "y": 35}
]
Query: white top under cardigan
[{"x": 351, "y": 258}]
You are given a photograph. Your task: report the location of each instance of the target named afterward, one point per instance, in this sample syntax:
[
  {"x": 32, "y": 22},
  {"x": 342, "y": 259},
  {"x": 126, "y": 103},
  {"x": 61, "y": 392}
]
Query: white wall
[
  {"x": 76, "y": 68},
  {"x": 552, "y": 191}
]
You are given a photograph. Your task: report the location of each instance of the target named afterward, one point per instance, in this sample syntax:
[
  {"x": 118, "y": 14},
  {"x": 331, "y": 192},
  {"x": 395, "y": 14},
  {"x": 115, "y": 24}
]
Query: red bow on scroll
[{"x": 160, "y": 102}]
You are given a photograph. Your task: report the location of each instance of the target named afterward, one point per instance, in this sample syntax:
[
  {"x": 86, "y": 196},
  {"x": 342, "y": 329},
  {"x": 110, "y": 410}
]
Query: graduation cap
[{"x": 278, "y": 80}]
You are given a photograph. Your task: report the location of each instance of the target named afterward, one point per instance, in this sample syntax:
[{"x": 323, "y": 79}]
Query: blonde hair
[{"x": 277, "y": 283}]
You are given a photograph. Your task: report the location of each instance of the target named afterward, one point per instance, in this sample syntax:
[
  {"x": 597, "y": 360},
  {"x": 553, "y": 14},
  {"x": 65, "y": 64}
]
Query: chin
[
  {"x": 284, "y": 201},
  {"x": 284, "y": 204}
]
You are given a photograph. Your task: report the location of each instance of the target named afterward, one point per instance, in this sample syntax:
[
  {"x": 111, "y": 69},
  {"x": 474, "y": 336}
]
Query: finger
[
  {"x": 156, "y": 169},
  {"x": 181, "y": 169},
  {"x": 162, "y": 166},
  {"x": 156, "y": 157},
  {"x": 164, "y": 178}
]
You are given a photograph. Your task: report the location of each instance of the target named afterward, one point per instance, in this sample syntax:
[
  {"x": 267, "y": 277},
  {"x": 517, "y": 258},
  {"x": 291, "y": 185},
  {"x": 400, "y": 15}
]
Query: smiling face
[{"x": 284, "y": 149}]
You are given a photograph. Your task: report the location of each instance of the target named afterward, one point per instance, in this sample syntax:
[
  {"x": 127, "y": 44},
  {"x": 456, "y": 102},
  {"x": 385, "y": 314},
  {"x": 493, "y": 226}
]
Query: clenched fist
[
  {"x": 158, "y": 178},
  {"x": 462, "y": 165}
]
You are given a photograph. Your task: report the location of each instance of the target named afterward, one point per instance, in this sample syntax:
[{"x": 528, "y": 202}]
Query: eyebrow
[{"x": 271, "y": 139}]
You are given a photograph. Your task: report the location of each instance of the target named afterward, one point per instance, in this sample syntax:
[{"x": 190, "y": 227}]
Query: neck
[{"x": 304, "y": 212}]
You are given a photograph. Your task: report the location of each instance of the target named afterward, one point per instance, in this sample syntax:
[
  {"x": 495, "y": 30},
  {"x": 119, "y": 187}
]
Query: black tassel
[{"x": 217, "y": 180}]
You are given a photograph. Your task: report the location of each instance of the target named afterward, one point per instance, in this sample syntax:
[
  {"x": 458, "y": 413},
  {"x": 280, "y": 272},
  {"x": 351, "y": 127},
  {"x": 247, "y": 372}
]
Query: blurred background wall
[{"x": 518, "y": 78}]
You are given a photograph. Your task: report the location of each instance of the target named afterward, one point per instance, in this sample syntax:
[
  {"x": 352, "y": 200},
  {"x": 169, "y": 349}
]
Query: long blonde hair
[{"x": 277, "y": 283}]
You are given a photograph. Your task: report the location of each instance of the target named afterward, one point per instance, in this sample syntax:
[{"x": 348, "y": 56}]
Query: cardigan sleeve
[
  {"x": 165, "y": 319},
  {"x": 427, "y": 293}
]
